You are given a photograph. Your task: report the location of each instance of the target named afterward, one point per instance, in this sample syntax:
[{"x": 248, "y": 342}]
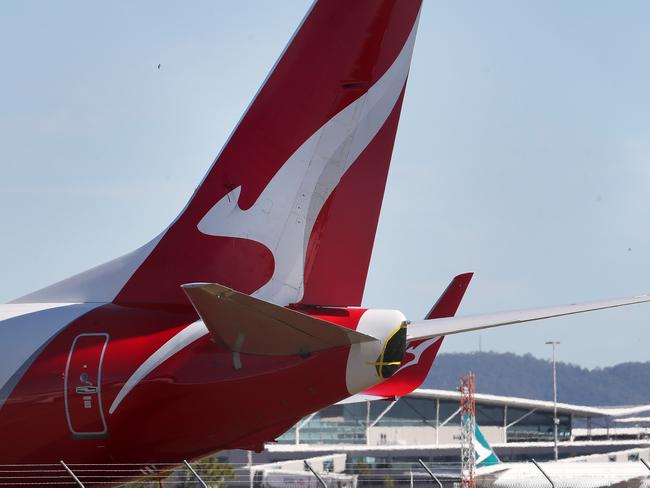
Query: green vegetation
[
  {"x": 216, "y": 474},
  {"x": 388, "y": 482}
]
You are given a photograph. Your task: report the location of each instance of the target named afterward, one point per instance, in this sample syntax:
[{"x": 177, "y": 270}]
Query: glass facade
[
  {"x": 536, "y": 426},
  {"x": 346, "y": 424}
]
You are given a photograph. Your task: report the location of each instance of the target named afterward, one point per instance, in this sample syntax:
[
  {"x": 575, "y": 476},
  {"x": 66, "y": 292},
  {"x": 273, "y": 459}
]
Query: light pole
[{"x": 556, "y": 421}]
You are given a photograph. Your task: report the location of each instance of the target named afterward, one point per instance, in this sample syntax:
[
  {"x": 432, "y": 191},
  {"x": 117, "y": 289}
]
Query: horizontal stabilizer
[
  {"x": 424, "y": 329},
  {"x": 246, "y": 324}
]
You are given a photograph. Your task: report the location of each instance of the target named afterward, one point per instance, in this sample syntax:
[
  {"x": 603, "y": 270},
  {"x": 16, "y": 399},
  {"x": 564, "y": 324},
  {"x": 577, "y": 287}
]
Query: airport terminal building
[{"x": 426, "y": 425}]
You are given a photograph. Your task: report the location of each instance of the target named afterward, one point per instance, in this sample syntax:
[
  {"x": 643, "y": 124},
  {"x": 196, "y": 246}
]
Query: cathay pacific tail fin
[{"x": 485, "y": 455}]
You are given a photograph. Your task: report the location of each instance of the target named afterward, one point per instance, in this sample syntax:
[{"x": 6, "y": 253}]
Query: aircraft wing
[
  {"x": 246, "y": 324},
  {"x": 424, "y": 329}
]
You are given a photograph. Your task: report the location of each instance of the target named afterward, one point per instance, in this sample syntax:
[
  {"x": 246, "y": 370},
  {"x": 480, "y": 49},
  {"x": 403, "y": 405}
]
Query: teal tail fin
[{"x": 485, "y": 456}]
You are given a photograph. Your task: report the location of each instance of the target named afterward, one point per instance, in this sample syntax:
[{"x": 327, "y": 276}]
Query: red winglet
[{"x": 448, "y": 303}]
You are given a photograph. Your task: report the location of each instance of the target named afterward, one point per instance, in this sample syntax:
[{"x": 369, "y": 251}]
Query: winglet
[
  {"x": 246, "y": 324},
  {"x": 449, "y": 301}
]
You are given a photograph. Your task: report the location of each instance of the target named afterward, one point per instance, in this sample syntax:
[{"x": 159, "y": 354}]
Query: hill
[{"x": 527, "y": 376}]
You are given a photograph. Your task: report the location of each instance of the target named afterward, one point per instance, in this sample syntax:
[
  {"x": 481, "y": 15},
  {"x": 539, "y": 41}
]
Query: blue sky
[{"x": 523, "y": 150}]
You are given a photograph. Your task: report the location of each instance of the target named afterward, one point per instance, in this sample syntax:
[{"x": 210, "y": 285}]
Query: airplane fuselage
[{"x": 191, "y": 403}]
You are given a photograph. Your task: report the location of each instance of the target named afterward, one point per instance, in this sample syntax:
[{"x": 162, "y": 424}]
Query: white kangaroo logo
[
  {"x": 417, "y": 352},
  {"x": 283, "y": 216}
]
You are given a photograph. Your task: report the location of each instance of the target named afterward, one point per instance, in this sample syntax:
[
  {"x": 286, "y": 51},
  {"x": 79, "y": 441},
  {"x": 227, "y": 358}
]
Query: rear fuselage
[{"x": 148, "y": 384}]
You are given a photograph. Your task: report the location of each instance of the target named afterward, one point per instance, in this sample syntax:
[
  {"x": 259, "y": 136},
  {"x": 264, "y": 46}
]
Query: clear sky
[{"x": 523, "y": 152}]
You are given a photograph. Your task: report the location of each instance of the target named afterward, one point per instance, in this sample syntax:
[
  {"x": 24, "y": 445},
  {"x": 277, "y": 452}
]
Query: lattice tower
[{"x": 467, "y": 429}]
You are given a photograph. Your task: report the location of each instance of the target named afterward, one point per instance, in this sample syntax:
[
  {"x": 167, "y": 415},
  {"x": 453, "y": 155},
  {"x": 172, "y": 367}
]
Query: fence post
[
  {"x": 433, "y": 476},
  {"x": 645, "y": 463},
  {"x": 543, "y": 472},
  {"x": 196, "y": 475},
  {"x": 72, "y": 474},
  {"x": 320, "y": 480}
]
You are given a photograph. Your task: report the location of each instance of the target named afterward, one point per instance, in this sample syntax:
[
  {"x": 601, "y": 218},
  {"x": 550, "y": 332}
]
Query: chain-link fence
[{"x": 215, "y": 474}]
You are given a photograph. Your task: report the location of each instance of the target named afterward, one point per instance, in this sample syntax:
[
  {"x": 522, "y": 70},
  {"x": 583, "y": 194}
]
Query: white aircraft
[{"x": 492, "y": 473}]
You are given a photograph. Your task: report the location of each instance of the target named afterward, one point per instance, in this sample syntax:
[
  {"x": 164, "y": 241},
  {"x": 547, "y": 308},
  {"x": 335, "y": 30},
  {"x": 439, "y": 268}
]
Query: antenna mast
[{"x": 467, "y": 429}]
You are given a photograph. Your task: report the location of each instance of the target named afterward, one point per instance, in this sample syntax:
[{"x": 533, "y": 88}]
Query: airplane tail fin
[
  {"x": 485, "y": 455},
  {"x": 289, "y": 209}
]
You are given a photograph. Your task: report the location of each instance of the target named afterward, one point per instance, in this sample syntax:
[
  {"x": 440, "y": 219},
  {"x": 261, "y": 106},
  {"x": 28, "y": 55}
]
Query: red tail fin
[{"x": 288, "y": 211}]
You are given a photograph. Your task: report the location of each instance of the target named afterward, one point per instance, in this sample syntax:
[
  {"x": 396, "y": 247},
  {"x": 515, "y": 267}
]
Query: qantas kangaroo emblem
[
  {"x": 283, "y": 215},
  {"x": 417, "y": 351}
]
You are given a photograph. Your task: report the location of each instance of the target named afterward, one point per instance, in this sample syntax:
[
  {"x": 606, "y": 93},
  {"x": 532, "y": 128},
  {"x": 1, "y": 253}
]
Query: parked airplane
[
  {"x": 244, "y": 315},
  {"x": 492, "y": 473}
]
